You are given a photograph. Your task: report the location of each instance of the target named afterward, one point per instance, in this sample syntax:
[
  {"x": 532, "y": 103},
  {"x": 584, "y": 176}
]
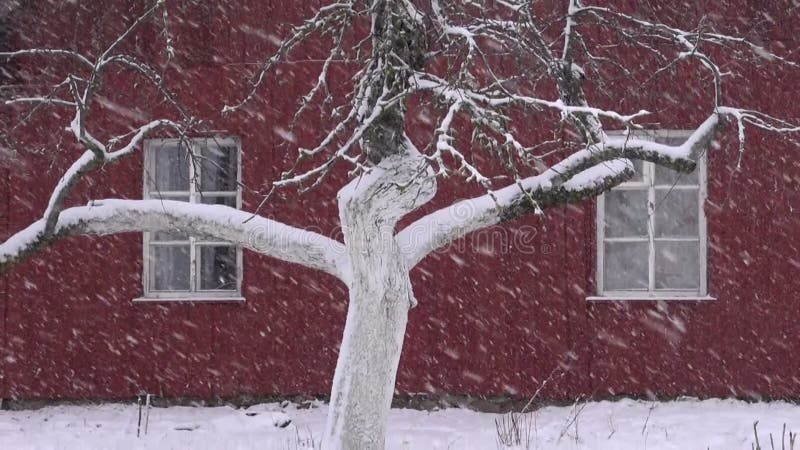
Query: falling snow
[{"x": 511, "y": 200}]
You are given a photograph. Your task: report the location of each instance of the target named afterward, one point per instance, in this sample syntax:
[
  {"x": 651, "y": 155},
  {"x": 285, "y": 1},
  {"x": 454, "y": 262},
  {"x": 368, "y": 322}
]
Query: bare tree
[{"x": 486, "y": 73}]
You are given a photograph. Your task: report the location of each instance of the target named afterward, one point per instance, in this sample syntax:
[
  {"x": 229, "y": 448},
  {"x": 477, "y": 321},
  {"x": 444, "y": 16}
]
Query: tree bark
[
  {"x": 364, "y": 380},
  {"x": 380, "y": 297}
]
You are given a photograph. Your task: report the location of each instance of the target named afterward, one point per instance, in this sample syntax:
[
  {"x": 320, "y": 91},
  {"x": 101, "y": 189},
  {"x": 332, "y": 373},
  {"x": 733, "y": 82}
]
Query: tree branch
[
  {"x": 583, "y": 174},
  {"x": 219, "y": 222},
  {"x": 90, "y": 160},
  {"x": 533, "y": 194}
]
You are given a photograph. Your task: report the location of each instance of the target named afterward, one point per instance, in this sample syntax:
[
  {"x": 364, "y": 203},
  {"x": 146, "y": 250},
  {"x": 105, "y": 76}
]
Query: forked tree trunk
[{"x": 380, "y": 297}]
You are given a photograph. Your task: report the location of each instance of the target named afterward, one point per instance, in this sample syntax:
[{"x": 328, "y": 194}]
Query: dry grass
[{"x": 792, "y": 439}]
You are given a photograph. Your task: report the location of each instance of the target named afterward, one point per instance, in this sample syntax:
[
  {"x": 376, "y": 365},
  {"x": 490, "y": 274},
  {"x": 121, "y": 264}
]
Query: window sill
[
  {"x": 189, "y": 299},
  {"x": 645, "y": 298}
]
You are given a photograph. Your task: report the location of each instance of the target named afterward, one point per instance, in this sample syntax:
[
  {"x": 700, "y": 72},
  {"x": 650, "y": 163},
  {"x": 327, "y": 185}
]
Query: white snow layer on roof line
[{"x": 626, "y": 424}]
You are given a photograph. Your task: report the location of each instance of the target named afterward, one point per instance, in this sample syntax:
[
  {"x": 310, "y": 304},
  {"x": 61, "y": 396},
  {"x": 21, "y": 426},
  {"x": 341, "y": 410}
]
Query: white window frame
[
  {"x": 648, "y": 181},
  {"x": 193, "y": 294}
]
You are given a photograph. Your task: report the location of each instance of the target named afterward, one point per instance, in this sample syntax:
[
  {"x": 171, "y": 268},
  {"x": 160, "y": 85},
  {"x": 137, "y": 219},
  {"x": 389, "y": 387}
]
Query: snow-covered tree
[{"x": 489, "y": 71}]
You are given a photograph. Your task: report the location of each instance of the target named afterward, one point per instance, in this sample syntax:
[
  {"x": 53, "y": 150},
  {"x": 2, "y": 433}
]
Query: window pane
[
  {"x": 677, "y": 265},
  {"x": 638, "y": 166},
  {"x": 667, "y": 177},
  {"x": 218, "y": 200},
  {"x": 676, "y": 213},
  {"x": 626, "y": 213},
  {"x": 173, "y": 197},
  {"x": 219, "y": 167},
  {"x": 171, "y": 169},
  {"x": 169, "y": 267},
  {"x": 625, "y": 266},
  {"x": 161, "y": 236},
  {"x": 217, "y": 268}
]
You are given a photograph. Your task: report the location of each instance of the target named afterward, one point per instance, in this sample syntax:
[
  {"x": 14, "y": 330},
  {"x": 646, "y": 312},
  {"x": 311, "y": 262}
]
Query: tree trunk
[
  {"x": 373, "y": 339},
  {"x": 380, "y": 297}
]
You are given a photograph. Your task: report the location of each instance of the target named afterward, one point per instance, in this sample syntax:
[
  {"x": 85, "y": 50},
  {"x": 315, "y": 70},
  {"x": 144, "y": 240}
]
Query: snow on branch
[
  {"x": 682, "y": 158},
  {"x": 476, "y": 43},
  {"x": 532, "y": 194},
  {"x": 440, "y": 87},
  {"x": 318, "y": 172},
  {"x": 333, "y": 15},
  {"x": 689, "y": 39},
  {"x": 759, "y": 120},
  {"x": 82, "y": 87},
  {"x": 581, "y": 175},
  {"x": 598, "y": 175},
  {"x": 218, "y": 222},
  {"x": 689, "y": 43},
  {"x": 396, "y": 66},
  {"x": 90, "y": 160}
]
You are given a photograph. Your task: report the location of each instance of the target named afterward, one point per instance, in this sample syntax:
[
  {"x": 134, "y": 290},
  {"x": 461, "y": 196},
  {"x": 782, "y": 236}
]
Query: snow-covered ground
[{"x": 626, "y": 424}]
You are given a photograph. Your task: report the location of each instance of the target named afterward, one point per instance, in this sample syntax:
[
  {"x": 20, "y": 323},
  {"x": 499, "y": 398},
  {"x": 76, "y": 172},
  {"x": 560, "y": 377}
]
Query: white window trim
[
  {"x": 701, "y": 294},
  {"x": 150, "y": 146}
]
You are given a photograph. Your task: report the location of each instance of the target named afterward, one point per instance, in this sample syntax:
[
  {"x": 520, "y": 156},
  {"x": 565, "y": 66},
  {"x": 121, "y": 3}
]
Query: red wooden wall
[{"x": 495, "y": 317}]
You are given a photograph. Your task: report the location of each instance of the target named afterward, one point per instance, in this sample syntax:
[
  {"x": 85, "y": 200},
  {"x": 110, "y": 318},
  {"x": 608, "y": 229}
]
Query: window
[
  {"x": 178, "y": 266},
  {"x": 651, "y": 233}
]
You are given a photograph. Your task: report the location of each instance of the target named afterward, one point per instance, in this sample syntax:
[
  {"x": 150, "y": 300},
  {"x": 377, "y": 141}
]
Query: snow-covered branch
[
  {"x": 429, "y": 82},
  {"x": 530, "y": 195},
  {"x": 318, "y": 172},
  {"x": 329, "y": 16},
  {"x": 218, "y": 222},
  {"x": 759, "y": 120},
  {"x": 583, "y": 174},
  {"x": 88, "y": 161},
  {"x": 688, "y": 44},
  {"x": 82, "y": 87}
]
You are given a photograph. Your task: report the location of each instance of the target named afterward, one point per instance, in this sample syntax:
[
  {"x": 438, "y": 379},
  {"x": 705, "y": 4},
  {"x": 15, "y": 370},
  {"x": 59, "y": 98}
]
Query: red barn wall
[{"x": 499, "y": 313}]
